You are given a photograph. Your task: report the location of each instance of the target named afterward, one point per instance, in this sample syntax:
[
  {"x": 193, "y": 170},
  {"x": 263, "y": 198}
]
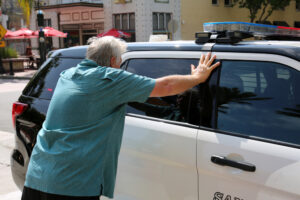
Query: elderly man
[{"x": 76, "y": 152}]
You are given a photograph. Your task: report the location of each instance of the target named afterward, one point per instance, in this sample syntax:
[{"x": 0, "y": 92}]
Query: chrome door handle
[{"x": 223, "y": 161}]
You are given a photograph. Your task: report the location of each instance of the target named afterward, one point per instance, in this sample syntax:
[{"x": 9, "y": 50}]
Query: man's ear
[{"x": 112, "y": 61}]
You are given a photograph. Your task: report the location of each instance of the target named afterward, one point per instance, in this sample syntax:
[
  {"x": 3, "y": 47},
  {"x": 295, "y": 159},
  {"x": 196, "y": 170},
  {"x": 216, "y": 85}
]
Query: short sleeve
[{"x": 134, "y": 88}]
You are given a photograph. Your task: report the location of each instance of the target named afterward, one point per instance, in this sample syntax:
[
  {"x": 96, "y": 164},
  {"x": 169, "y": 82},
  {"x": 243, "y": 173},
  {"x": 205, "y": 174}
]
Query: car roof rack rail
[{"x": 229, "y": 37}]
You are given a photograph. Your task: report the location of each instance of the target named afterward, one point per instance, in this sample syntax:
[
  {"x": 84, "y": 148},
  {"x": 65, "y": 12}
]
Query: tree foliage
[
  {"x": 265, "y": 6},
  {"x": 26, "y": 6}
]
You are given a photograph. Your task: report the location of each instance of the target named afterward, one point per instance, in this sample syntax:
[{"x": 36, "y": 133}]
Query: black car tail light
[{"x": 18, "y": 109}]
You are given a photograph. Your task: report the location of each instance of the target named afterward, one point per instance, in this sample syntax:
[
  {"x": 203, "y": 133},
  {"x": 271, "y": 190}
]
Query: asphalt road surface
[{"x": 10, "y": 90}]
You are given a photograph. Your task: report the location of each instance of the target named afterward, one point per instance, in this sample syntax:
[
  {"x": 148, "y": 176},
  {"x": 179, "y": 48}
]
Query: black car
[{"x": 237, "y": 136}]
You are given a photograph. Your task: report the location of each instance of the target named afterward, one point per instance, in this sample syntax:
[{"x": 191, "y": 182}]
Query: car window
[
  {"x": 175, "y": 107},
  {"x": 43, "y": 85},
  {"x": 259, "y": 99}
]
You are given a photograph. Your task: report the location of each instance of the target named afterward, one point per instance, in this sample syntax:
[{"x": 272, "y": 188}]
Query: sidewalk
[
  {"x": 8, "y": 189},
  {"x": 25, "y": 75}
]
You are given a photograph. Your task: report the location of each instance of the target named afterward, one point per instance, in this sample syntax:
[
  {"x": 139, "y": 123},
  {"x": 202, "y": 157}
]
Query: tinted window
[
  {"x": 43, "y": 85},
  {"x": 174, "y": 108},
  {"x": 260, "y": 99}
]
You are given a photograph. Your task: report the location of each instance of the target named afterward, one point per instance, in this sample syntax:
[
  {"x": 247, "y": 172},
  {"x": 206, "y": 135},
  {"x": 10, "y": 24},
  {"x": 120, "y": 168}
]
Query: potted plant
[{"x": 10, "y": 55}]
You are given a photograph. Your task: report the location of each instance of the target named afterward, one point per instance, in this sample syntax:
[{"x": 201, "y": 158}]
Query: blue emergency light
[{"x": 253, "y": 28}]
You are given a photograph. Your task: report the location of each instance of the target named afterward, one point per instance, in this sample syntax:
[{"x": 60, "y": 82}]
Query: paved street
[
  {"x": 10, "y": 90},
  {"x": 8, "y": 189}
]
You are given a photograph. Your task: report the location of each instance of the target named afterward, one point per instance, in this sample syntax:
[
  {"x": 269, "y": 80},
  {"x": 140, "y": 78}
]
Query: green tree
[
  {"x": 265, "y": 6},
  {"x": 26, "y": 6}
]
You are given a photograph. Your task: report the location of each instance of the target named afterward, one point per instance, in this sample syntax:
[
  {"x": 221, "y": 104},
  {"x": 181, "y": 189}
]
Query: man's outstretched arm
[{"x": 175, "y": 84}]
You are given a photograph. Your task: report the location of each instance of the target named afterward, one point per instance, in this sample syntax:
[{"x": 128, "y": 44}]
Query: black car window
[
  {"x": 260, "y": 99},
  {"x": 175, "y": 107},
  {"x": 43, "y": 85}
]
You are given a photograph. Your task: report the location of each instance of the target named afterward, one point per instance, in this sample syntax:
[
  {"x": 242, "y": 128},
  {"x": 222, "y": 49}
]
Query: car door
[
  {"x": 158, "y": 153},
  {"x": 249, "y": 149}
]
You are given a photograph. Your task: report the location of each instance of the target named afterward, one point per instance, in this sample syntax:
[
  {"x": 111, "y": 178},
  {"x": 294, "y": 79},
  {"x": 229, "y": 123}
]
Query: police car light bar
[
  {"x": 255, "y": 29},
  {"x": 221, "y": 37}
]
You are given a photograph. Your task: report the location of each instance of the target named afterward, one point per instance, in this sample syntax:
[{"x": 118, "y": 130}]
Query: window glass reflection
[
  {"x": 260, "y": 99},
  {"x": 177, "y": 107},
  {"x": 44, "y": 86}
]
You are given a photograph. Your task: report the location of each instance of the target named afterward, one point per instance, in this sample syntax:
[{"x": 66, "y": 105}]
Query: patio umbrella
[
  {"x": 115, "y": 33},
  {"x": 8, "y": 33},
  {"x": 51, "y": 32},
  {"x": 23, "y": 33}
]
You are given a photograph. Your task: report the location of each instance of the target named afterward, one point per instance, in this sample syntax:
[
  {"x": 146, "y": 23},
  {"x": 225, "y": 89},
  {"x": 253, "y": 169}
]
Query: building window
[
  {"x": 160, "y": 21},
  {"x": 280, "y": 23},
  {"x": 168, "y": 18},
  {"x": 131, "y": 21},
  {"x": 264, "y": 22},
  {"x": 121, "y": 1},
  {"x": 47, "y": 22},
  {"x": 297, "y": 5},
  {"x": 228, "y": 2},
  {"x": 125, "y": 22},
  {"x": 117, "y": 21},
  {"x": 297, "y": 24},
  {"x": 155, "y": 21},
  {"x": 214, "y": 2},
  {"x": 161, "y": 1}
]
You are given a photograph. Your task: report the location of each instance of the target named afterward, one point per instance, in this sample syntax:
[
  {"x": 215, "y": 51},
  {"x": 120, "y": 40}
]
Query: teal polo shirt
[{"x": 76, "y": 151}]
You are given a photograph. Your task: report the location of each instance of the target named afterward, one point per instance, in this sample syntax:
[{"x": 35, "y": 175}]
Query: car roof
[{"x": 286, "y": 48}]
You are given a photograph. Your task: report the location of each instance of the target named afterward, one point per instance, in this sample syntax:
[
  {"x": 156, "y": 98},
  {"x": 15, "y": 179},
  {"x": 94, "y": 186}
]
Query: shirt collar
[{"x": 88, "y": 63}]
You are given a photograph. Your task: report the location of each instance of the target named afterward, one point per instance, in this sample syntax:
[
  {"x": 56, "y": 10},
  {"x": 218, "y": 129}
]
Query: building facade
[
  {"x": 179, "y": 19},
  {"x": 142, "y": 18},
  {"x": 80, "y": 19},
  {"x": 194, "y": 13},
  {"x": 12, "y": 15},
  {"x": 12, "y": 19}
]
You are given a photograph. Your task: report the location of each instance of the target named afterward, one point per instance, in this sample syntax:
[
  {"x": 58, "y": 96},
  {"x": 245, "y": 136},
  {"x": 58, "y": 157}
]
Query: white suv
[{"x": 235, "y": 137}]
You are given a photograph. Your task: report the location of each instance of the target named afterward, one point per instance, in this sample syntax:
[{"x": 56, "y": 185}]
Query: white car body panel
[
  {"x": 158, "y": 160},
  {"x": 276, "y": 176}
]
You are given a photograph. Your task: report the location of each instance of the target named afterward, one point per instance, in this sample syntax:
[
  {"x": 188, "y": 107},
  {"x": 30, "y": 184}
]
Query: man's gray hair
[{"x": 101, "y": 50}]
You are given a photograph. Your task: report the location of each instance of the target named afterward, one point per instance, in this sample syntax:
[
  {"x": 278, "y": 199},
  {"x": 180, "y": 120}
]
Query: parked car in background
[{"x": 236, "y": 136}]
